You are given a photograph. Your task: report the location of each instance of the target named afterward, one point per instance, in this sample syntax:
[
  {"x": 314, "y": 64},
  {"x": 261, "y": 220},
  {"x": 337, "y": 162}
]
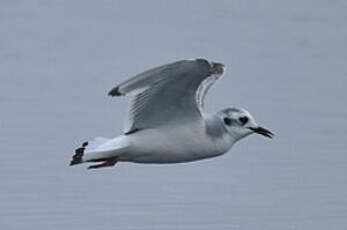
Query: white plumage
[{"x": 166, "y": 123}]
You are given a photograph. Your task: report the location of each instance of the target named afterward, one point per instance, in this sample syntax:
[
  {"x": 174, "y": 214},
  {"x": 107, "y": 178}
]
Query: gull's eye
[
  {"x": 243, "y": 120},
  {"x": 227, "y": 121}
]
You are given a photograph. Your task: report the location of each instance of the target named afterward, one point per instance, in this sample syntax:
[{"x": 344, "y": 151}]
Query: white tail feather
[
  {"x": 93, "y": 145},
  {"x": 101, "y": 148}
]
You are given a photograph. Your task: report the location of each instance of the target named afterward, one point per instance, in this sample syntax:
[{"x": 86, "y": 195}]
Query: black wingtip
[
  {"x": 132, "y": 131},
  {"x": 114, "y": 92}
]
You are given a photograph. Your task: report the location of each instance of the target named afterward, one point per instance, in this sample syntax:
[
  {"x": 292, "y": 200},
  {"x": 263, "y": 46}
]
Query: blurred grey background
[{"x": 286, "y": 64}]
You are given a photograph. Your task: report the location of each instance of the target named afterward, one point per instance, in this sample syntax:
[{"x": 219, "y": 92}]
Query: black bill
[{"x": 262, "y": 131}]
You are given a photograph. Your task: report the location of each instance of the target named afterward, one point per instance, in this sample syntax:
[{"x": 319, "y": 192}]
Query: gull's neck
[{"x": 216, "y": 130}]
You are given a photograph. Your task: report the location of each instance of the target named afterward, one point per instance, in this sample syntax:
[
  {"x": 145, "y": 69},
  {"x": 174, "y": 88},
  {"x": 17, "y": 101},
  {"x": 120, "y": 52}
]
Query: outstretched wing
[{"x": 170, "y": 93}]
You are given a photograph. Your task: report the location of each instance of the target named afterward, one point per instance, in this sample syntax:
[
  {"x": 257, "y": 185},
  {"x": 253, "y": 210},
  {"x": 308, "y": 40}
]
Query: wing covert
[{"x": 169, "y": 93}]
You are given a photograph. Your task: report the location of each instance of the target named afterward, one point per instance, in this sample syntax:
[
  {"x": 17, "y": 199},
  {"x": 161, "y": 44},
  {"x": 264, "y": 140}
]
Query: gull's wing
[{"x": 170, "y": 93}]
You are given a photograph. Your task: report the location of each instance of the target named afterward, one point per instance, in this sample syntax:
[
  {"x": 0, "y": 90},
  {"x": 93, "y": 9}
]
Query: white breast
[{"x": 173, "y": 145}]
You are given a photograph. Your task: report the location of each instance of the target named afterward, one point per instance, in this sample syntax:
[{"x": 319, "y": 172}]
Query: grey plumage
[{"x": 177, "y": 90}]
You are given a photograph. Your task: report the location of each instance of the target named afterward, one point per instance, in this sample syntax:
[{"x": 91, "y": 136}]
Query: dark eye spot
[
  {"x": 243, "y": 120},
  {"x": 227, "y": 121}
]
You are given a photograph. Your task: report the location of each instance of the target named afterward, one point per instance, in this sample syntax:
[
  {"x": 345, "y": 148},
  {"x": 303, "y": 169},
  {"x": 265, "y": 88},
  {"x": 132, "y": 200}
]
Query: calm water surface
[{"x": 286, "y": 64}]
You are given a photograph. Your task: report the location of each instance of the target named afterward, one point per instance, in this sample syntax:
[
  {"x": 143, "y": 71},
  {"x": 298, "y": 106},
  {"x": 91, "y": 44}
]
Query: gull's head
[{"x": 240, "y": 123}]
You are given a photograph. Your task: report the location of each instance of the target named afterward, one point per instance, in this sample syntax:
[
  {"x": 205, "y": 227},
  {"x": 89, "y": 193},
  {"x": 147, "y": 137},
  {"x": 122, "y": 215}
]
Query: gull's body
[
  {"x": 173, "y": 144},
  {"x": 166, "y": 121}
]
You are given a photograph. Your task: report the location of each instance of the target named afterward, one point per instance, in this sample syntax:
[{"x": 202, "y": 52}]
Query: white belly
[{"x": 172, "y": 146}]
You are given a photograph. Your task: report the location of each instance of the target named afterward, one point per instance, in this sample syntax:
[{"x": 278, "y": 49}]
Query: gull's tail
[
  {"x": 87, "y": 147},
  {"x": 101, "y": 149}
]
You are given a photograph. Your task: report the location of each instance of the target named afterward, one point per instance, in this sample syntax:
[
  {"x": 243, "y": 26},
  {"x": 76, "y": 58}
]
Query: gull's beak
[{"x": 262, "y": 131}]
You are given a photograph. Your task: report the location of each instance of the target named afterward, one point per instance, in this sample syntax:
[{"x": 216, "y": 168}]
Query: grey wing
[
  {"x": 169, "y": 93},
  {"x": 204, "y": 87}
]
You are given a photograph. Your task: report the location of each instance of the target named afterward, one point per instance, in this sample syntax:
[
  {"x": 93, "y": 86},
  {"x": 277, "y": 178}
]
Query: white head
[{"x": 240, "y": 123}]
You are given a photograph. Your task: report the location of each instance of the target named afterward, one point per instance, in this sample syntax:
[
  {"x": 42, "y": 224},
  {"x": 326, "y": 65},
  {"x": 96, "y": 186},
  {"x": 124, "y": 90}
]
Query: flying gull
[{"x": 166, "y": 121}]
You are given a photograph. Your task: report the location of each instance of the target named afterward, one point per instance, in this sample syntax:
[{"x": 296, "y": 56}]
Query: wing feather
[
  {"x": 204, "y": 87},
  {"x": 171, "y": 93}
]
